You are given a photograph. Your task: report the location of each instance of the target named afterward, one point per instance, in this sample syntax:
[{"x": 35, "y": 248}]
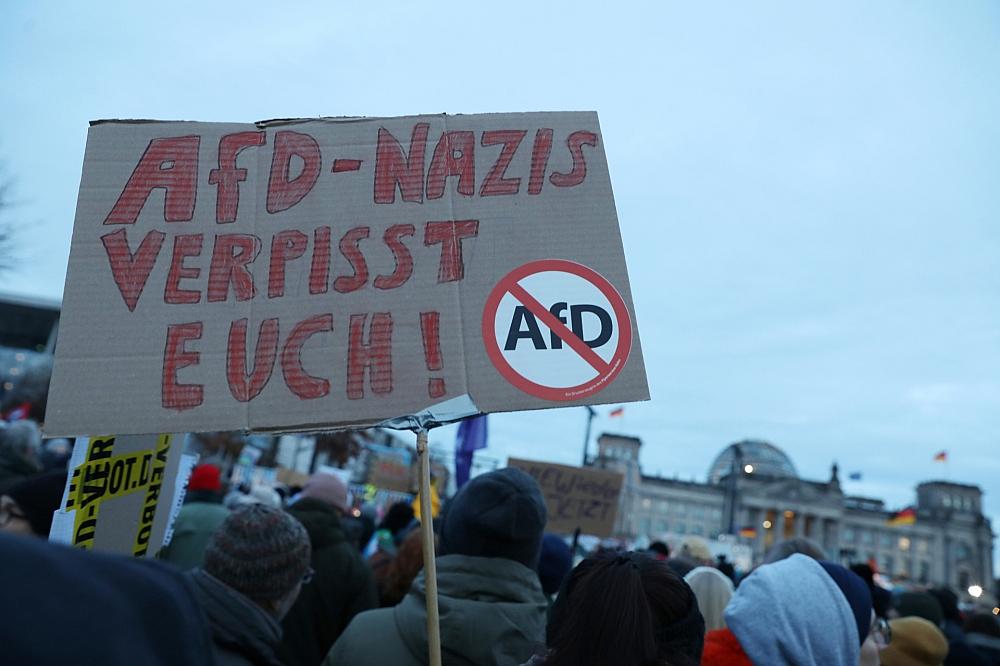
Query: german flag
[
  {"x": 905, "y": 517},
  {"x": 615, "y": 413},
  {"x": 941, "y": 456},
  {"x": 748, "y": 532}
]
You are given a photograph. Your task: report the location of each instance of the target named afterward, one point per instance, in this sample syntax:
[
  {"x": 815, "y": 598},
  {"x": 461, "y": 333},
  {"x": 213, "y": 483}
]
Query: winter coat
[
  {"x": 68, "y": 606},
  {"x": 342, "y": 587},
  {"x": 193, "y": 528},
  {"x": 492, "y": 612},
  {"x": 985, "y": 646},
  {"x": 960, "y": 653},
  {"x": 243, "y": 633},
  {"x": 791, "y": 613},
  {"x": 722, "y": 649}
]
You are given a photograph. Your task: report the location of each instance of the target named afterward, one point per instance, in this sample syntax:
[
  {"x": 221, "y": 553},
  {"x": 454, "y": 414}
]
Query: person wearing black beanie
[
  {"x": 492, "y": 608},
  {"x": 859, "y": 598},
  {"x": 28, "y": 505}
]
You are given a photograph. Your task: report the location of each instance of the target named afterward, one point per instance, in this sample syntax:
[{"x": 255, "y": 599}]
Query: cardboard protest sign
[
  {"x": 291, "y": 275},
  {"x": 120, "y": 495},
  {"x": 576, "y": 497},
  {"x": 391, "y": 468}
]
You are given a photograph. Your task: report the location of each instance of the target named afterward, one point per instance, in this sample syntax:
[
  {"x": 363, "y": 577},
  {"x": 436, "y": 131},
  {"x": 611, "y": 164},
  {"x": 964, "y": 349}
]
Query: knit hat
[
  {"x": 39, "y": 497},
  {"x": 327, "y": 488},
  {"x": 205, "y": 477},
  {"x": 920, "y": 604},
  {"x": 915, "y": 642},
  {"x": 499, "y": 514},
  {"x": 858, "y": 596},
  {"x": 259, "y": 551},
  {"x": 554, "y": 563},
  {"x": 713, "y": 590}
]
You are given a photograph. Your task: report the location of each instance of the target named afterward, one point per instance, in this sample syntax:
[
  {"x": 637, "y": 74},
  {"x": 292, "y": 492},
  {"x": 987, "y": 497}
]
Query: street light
[
  {"x": 748, "y": 469},
  {"x": 975, "y": 591}
]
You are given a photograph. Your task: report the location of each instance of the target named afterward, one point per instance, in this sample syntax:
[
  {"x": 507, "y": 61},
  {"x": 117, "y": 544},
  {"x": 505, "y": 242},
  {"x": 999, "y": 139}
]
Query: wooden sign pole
[{"x": 427, "y": 536}]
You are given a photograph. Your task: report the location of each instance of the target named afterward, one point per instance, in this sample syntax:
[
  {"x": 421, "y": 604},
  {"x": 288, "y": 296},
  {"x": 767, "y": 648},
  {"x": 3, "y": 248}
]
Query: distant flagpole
[{"x": 591, "y": 412}]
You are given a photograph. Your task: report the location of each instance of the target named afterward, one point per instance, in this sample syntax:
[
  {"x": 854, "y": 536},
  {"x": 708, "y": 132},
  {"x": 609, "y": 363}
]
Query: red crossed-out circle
[{"x": 606, "y": 370}]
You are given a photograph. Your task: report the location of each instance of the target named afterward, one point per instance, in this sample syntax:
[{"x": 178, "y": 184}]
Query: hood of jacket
[
  {"x": 238, "y": 625},
  {"x": 791, "y": 612},
  {"x": 492, "y": 611},
  {"x": 321, "y": 521}
]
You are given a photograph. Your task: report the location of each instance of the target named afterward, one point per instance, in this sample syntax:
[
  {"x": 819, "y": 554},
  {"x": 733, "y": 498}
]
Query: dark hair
[
  {"x": 660, "y": 548},
  {"x": 402, "y": 570},
  {"x": 397, "y": 518},
  {"x": 949, "y": 603},
  {"x": 625, "y": 610},
  {"x": 789, "y": 547}
]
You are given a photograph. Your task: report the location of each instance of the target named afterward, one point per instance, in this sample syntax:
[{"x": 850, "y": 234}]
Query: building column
[
  {"x": 758, "y": 541},
  {"x": 800, "y": 524}
]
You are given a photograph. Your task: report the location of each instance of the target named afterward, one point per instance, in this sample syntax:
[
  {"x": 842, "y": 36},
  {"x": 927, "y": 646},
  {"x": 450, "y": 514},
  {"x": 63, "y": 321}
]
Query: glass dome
[{"x": 766, "y": 459}]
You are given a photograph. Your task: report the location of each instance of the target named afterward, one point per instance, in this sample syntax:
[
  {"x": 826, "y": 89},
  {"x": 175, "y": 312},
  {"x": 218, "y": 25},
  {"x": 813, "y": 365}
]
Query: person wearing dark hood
[
  {"x": 27, "y": 507},
  {"x": 19, "y": 445},
  {"x": 492, "y": 608},
  {"x": 960, "y": 653},
  {"x": 343, "y": 585},
  {"x": 982, "y": 633},
  {"x": 798, "y": 612},
  {"x": 197, "y": 520},
  {"x": 255, "y": 565},
  {"x": 624, "y": 610},
  {"x": 67, "y": 606},
  {"x": 554, "y": 564},
  {"x": 881, "y": 597}
]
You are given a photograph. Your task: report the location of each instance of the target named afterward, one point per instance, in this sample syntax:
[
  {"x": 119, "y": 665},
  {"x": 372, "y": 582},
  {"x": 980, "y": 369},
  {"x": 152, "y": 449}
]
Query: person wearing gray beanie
[
  {"x": 492, "y": 608},
  {"x": 255, "y": 565}
]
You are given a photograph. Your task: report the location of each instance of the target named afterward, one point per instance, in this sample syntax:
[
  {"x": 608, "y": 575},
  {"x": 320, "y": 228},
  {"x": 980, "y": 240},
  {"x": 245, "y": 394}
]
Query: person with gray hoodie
[
  {"x": 492, "y": 608},
  {"x": 795, "y": 612}
]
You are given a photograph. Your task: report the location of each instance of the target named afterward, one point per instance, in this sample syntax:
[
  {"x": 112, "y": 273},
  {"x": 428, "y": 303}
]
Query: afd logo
[{"x": 584, "y": 319}]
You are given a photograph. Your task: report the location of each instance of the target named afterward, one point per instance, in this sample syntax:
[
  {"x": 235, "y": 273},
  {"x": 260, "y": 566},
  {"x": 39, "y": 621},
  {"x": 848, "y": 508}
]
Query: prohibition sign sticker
[{"x": 557, "y": 330}]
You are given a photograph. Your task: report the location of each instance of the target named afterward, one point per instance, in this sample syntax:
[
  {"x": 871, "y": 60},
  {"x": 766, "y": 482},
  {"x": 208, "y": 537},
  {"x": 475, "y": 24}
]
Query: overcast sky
[{"x": 808, "y": 195}]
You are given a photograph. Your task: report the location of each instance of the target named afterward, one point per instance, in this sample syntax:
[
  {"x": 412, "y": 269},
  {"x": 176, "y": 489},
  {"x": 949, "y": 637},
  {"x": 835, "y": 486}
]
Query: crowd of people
[{"x": 292, "y": 576}]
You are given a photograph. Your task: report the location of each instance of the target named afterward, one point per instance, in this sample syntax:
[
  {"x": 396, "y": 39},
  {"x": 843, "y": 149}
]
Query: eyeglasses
[
  {"x": 881, "y": 632},
  {"x": 307, "y": 578}
]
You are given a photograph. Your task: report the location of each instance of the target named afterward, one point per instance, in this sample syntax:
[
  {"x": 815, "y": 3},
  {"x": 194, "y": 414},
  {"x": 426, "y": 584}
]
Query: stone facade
[{"x": 753, "y": 486}]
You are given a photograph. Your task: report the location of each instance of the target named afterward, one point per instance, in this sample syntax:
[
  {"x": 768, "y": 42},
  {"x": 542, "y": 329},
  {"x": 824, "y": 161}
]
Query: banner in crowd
[
  {"x": 122, "y": 493},
  {"x": 296, "y": 274},
  {"x": 576, "y": 497},
  {"x": 390, "y": 468}
]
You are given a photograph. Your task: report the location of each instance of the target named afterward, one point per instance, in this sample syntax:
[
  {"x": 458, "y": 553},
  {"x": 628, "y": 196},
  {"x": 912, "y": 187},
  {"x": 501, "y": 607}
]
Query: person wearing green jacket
[
  {"x": 200, "y": 516},
  {"x": 492, "y": 608}
]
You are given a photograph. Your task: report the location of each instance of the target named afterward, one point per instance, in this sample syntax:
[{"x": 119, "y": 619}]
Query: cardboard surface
[
  {"x": 291, "y": 275},
  {"x": 575, "y": 496},
  {"x": 120, "y": 494},
  {"x": 391, "y": 468}
]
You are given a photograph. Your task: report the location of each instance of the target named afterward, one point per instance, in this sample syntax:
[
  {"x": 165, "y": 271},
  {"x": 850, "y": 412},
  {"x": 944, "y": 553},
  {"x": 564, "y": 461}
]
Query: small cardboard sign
[
  {"x": 576, "y": 497},
  {"x": 302, "y": 274},
  {"x": 120, "y": 494},
  {"x": 391, "y": 468}
]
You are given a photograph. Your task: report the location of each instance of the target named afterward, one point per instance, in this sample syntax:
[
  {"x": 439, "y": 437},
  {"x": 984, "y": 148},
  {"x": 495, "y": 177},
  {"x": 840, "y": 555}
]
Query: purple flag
[{"x": 471, "y": 436}]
